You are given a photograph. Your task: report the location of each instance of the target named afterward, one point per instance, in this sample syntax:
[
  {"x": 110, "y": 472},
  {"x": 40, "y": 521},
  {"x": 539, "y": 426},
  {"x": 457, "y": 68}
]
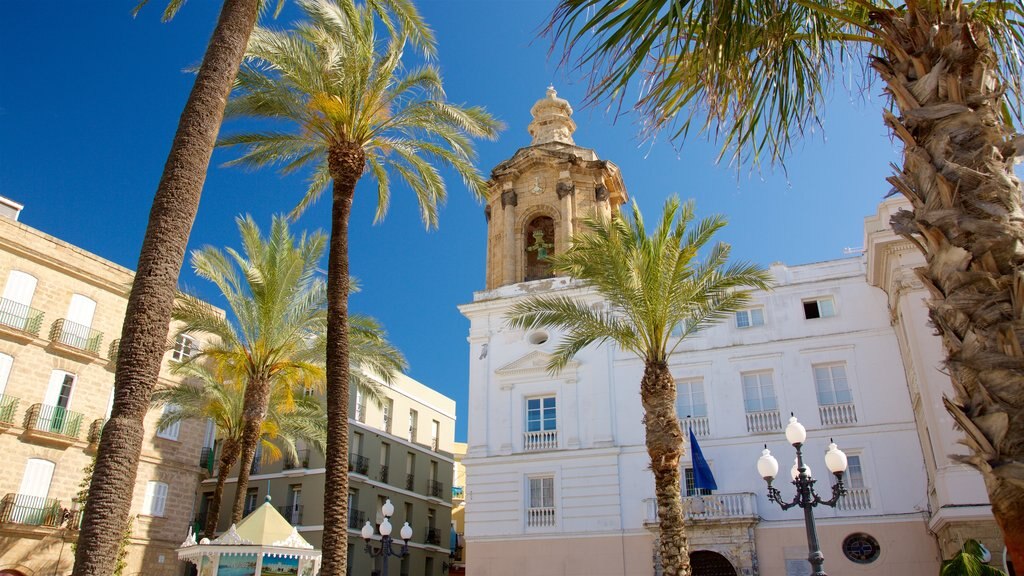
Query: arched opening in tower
[{"x": 540, "y": 245}]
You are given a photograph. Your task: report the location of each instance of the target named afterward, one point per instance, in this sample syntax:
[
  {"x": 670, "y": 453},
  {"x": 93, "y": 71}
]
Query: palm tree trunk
[
  {"x": 346, "y": 166},
  {"x": 967, "y": 220},
  {"x": 228, "y": 458},
  {"x": 665, "y": 447},
  {"x": 148, "y": 314},
  {"x": 254, "y": 412}
]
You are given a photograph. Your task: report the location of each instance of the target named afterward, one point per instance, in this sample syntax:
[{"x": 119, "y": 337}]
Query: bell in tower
[{"x": 539, "y": 197}]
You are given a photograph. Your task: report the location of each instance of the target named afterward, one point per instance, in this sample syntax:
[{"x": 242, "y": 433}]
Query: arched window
[{"x": 540, "y": 244}]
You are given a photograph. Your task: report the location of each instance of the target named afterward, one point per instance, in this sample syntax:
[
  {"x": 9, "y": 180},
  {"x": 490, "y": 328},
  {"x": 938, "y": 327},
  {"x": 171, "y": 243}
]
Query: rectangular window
[
  {"x": 854, "y": 476},
  {"x": 6, "y": 362},
  {"x": 155, "y": 500},
  {"x": 169, "y": 432},
  {"x": 690, "y": 399},
  {"x": 541, "y": 502},
  {"x": 17, "y": 298},
  {"x": 832, "y": 385},
  {"x": 749, "y": 318},
  {"x": 819, "y": 308},
  {"x": 414, "y": 418},
  {"x": 541, "y": 414},
  {"x": 388, "y": 409},
  {"x": 691, "y": 488},
  {"x": 435, "y": 434},
  {"x": 360, "y": 406},
  {"x": 185, "y": 347},
  {"x": 759, "y": 392},
  {"x": 252, "y": 496}
]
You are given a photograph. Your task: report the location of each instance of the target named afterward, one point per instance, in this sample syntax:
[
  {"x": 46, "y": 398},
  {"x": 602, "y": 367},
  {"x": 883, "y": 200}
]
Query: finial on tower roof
[{"x": 552, "y": 120}]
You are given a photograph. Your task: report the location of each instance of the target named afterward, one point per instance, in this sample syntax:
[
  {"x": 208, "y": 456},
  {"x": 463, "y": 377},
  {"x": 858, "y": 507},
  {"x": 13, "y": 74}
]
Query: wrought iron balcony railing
[
  {"x": 383, "y": 476},
  {"x": 20, "y": 317},
  {"x": 292, "y": 513},
  {"x": 255, "y": 467},
  {"x": 31, "y": 510},
  {"x": 301, "y": 460},
  {"x": 53, "y": 419},
  {"x": 76, "y": 335},
  {"x": 113, "y": 349},
  {"x": 356, "y": 518},
  {"x": 359, "y": 464},
  {"x": 96, "y": 431},
  {"x": 410, "y": 482},
  {"x": 433, "y": 536},
  {"x": 206, "y": 459},
  {"x": 435, "y": 488},
  {"x": 8, "y": 408}
]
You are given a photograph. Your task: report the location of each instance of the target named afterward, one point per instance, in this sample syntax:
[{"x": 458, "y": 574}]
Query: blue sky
[{"x": 90, "y": 99}]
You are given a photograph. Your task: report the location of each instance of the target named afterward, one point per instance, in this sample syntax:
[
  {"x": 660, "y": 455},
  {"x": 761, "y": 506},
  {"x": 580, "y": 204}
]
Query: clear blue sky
[{"x": 90, "y": 98}]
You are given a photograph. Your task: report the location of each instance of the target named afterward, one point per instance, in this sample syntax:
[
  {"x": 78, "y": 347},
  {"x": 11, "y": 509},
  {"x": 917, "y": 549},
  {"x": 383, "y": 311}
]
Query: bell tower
[{"x": 539, "y": 196}]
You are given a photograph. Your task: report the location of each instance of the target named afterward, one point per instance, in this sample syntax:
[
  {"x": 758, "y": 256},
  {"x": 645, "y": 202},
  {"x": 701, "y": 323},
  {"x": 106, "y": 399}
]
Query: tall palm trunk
[
  {"x": 665, "y": 447},
  {"x": 147, "y": 317},
  {"x": 346, "y": 167},
  {"x": 228, "y": 457},
  {"x": 254, "y": 412},
  {"x": 958, "y": 174}
]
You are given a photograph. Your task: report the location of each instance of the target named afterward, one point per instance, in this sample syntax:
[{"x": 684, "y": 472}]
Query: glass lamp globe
[
  {"x": 767, "y": 465},
  {"x": 367, "y": 531},
  {"x": 406, "y": 532},
  {"x": 385, "y": 528},
  {"x": 388, "y": 508},
  {"x": 795, "y": 471},
  {"x": 795, "y": 432},
  {"x": 835, "y": 459}
]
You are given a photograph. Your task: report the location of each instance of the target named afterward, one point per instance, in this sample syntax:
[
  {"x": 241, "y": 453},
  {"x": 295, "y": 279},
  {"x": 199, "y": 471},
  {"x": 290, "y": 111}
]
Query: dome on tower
[{"x": 552, "y": 120}]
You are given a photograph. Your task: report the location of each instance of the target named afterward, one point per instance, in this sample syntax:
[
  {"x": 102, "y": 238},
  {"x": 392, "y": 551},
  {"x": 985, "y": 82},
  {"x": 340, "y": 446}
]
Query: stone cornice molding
[{"x": 534, "y": 365}]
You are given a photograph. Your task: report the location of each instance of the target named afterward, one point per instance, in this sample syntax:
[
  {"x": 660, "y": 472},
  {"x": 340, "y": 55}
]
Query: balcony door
[
  {"x": 79, "y": 321},
  {"x": 18, "y": 294},
  {"x": 30, "y": 505},
  {"x": 57, "y": 400}
]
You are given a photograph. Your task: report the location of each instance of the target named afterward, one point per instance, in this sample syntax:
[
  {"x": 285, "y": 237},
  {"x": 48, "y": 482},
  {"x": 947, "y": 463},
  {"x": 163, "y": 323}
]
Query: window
[
  {"x": 861, "y": 548},
  {"x": 169, "y": 432},
  {"x": 690, "y": 481},
  {"x": 541, "y": 504},
  {"x": 6, "y": 362},
  {"x": 30, "y": 504},
  {"x": 77, "y": 327},
  {"x": 749, "y": 318},
  {"x": 854, "y": 476},
  {"x": 59, "y": 389},
  {"x": 155, "y": 500},
  {"x": 252, "y": 495},
  {"x": 17, "y": 298},
  {"x": 185, "y": 347},
  {"x": 360, "y": 406},
  {"x": 413, "y": 422},
  {"x": 832, "y": 385},
  {"x": 388, "y": 409},
  {"x": 819, "y": 308},
  {"x": 759, "y": 392},
  {"x": 690, "y": 400},
  {"x": 435, "y": 434},
  {"x": 541, "y": 414}
]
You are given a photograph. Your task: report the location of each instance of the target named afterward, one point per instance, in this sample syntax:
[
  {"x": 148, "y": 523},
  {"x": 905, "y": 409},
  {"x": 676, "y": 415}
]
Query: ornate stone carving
[
  {"x": 509, "y": 198},
  {"x": 564, "y": 189},
  {"x": 231, "y": 538},
  {"x": 294, "y": 541},
  {"x": 190, "y": 540}
]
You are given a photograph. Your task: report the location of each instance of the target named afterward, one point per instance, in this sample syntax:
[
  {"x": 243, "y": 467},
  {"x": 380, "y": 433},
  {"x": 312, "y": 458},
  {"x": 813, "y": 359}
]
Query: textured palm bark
[
  {"x": 228, "y": 457},
  {"x": 665, "y": 447},
  {"x": 254, "y": 412},
  {"x": 967, "y": 220},
  {"x": 148, "y": 315},
  {"x": 346, "y": 163}
]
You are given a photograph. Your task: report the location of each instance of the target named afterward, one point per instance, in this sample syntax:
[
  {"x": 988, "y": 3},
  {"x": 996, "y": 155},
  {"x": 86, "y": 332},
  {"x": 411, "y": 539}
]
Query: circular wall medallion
[{"x": 861, "y": 548}]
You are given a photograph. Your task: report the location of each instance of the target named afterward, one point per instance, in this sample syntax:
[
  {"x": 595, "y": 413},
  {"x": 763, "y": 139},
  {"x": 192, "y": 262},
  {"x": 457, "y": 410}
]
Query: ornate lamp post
[
  {"x": 805, "y": 497},
  {"x": 385, "y": 549}
]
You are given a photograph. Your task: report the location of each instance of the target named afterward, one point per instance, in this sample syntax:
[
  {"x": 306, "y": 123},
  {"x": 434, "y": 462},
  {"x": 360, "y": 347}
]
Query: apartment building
[
  {"x": 399, "y": 450},
  {"x": 61, "y": 313}
]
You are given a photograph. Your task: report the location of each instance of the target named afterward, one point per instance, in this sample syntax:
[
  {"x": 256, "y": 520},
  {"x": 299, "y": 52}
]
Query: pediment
[{"x": 534, "y": 364}]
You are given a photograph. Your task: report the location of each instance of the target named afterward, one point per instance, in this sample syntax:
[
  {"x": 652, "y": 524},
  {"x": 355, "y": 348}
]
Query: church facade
[{"x": 558, "y": 480}]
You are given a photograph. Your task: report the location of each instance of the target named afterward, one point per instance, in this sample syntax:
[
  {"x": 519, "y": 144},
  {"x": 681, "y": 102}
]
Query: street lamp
[
  {"x": 385, "y": 550},
  {"x": 806, "y": 498}
]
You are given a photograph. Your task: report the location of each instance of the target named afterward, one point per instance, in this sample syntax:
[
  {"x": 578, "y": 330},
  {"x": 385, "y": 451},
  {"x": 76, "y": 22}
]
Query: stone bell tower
[{"x": 539, "y": 196}]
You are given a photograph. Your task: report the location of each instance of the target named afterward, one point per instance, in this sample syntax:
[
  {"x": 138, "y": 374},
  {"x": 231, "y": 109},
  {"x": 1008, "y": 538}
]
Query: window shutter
[{"x": 5, "y": 371}]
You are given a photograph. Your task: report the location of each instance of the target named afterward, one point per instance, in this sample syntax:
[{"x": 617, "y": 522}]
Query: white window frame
[
  {"x": 826, "y": 306},
  {"x": 688, "y": 385},
  {"x": 155, "y": 501},
  {"x": 547, "y": 496},
  {"x": 6, "y": 366},
  {"x": 542, "y": 422},
  {"x": 169, "y": 432},
  {"x": 360, "y": 411},
  {"x": 689, "y": 482},
  {"x": 855, "y": 480},
  {"x": 831, "y": 366},
  {"x": 185, "y": 347},
  {"x": 760, "y": 384},
  {"x": 750, "y": 318}
]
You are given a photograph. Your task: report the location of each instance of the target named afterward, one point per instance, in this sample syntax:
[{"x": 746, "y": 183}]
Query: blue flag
[{"x": 702, "y": 476}]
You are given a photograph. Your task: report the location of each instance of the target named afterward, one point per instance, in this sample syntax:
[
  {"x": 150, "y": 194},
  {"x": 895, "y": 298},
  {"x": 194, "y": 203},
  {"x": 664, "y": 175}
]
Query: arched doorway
[{"x": 708, "y": 563}]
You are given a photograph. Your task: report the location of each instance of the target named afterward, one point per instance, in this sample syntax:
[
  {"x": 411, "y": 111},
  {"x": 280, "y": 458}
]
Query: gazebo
[{"x": 262, "y": 544}]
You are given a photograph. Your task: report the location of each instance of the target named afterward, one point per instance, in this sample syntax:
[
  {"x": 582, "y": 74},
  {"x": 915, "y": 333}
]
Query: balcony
[
  {"x": 435, "y": 489},
  {"x": 292, "y": 513},
  {"x": 541, "y": 440},
  {"x": 356, "y": 518},
  {"x": 52, "y": 423},
  {"x": 433, "y": 536},
  {"x": 96, "y": 431},
  {"x": 8, "y": 408},
  {"x": 112, "y": 351},
  {"x": 19, "y": 320},
  {"x": 31, "y": 511},
  {"x": 701, "y": 426},
  {"x": 855, "y": 499},
  {"x": 76, "y": 339},
  {"x": 206, "y": 459},
  {"x": 300, "y": 460},
  {"x": 764, "y": 421},
  {"x": 724, "y": 507},
  {"x": 255, "y": 467},
  {"x": 410, "y": 482},
  {"x": 359, "y": 464},
  {"x": 383, "y": 476},
  {"x": 540, "y": 517},
  {"x": 838, "y": 414}
]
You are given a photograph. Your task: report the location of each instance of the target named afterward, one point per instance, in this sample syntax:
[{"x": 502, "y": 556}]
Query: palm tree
[
  {"x": 352, "y": 107},
  {"x": 969, "y": 561},
  {"x": 278, "y": 303},
  {"x": 757, "y": 73},
  {"x": 658, "y": 294},
  {"x": 207, "y": 392}
]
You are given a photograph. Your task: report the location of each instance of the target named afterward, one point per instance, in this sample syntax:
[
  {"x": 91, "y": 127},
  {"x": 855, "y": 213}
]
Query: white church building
[{"x": 557, "y": 472}]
